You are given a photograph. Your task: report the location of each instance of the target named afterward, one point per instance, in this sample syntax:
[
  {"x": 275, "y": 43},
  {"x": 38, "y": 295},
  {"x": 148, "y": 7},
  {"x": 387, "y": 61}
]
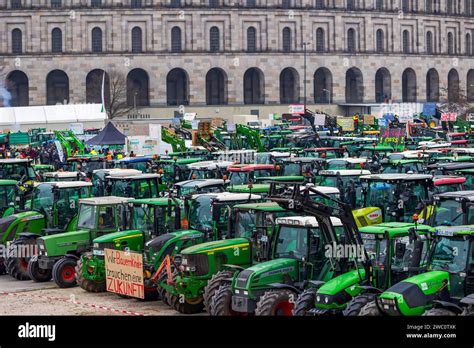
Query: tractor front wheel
[
  {"x": 217, "y": 280},
  {"x": 64, "y": 273},
  {"x": 221, "y": 304},
  {"x": 17, "y": 265},
  {"x": 355, "y": 305},
  {"x": 370, "y": 310},
  {"x": 439, "y": 312},
  {"x": 305, "y": 302},
  {"x": 276, "y": 303},
  {"x": 38, "y": 274},
  {"x": 87, "y": 284}
]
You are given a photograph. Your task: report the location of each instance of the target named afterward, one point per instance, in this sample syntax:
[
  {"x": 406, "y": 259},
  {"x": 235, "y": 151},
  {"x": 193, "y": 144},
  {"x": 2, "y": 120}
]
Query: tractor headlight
[
  {"x": 326, "y": 299},
  {"x": 237, "y": 291},
  {"x": 246, "y": 292},
  {"x": 318, "y": 298},
  {"x": 41, "y": 246}
]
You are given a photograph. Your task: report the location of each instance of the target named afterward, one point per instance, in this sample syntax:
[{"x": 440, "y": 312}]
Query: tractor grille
[
  {"x": 242, "y": 278},
  {"x": 199, "y": 262}
]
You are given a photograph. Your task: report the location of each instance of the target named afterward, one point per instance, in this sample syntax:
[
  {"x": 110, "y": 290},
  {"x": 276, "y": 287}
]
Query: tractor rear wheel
[
  {"x": 221, "y": 304},
  {"x": 17, "y": 265},
  {"x": 38, "y": 274},
  {"x": 305, "y": 302},
  {"x": 439, "y": 312},
  {"x": 370, "y": 310},
  {"x": 355, "y": 305},
  {"x": 217, "y": 280},
  {"x": 276, "y": 302},
  {"x": 87, "y": 284},
  {"x": 64, "y": 273}
]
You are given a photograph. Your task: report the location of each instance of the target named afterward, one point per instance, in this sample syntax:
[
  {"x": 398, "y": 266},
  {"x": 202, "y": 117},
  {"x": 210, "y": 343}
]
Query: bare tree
[
  {"x": 115, "y": 93},
  {"x": 454, "y": 100}
]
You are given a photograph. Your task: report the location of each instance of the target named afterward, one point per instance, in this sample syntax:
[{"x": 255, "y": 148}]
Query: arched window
[
  {"x": 322, "y": 86},
  {"x": 176, "y": 45},
  {"x": 177, "y": 87},
  {"x": 351, "y": 40},
  {"x": 354, "y": 86},
  {"x": 56, "y": 40},
  {"x": 453, "y": 86},
  {"x": 216, "y": 87},
  {"x": 18, "y": 86},
  {"x": 214, "y": 38},
  {"x": 286, "y": 39},
  {"x": 138, "y": 88},
  {"x": 470, "y": 86},
  {"x": 251, "y": 39},
  {"x": 383, "y": 85},
  {"x": 467, "y": 7},
  {"x": 94, "y": 87},
  {"x": 254, "y": 86},
  {"x": 57, "y": 88},
  {"x": 320, "y": 44},
  {"x": 17, "y": 41},
  {"x": 409, "y": 86},
  {"x": 56, "y": 3},
  {"x": 289, "y": 86},
  {"x": 450, "y": 43},
  {"x": 406, "y": 42},
  {"x": 379, "y": 5},
  {"x": 379, "y": 41},
  {"x": 429, "y": 42},
  {"x": 137, "y": 44},
  {"x": 96, "y": 40},
  {"x": 432, "y": 86}
]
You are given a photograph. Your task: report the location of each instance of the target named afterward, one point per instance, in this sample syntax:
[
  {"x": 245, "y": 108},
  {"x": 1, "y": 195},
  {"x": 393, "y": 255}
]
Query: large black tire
[
  {"x": 163, "y": 294},
  {"x": 38, "y": 274},
  {"x": 151, "y": 291},
  {"x": 355, "y": 305},
  {"x": 217, "y": 280},
  {"x": 370, "y": 310},
  {"x": 439, "y": 312},
  {"x": 3, "y": 266},
  {"x": 221, "y": 304},
  {"x": 306, "y": 301},
  {"x": 276, "y": 302},
  {"x": 187, "y": 306},
  {"x": 64, "y": 273},
  {"x": 17, "y": 267},
  {"x": 87, "y": 284}
]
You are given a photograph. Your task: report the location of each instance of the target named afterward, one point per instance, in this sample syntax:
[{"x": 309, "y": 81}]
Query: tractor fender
[
  {"x": 370, "y": 289},
  {"x": 316, "y": 283},
  {"x": 285, "y": 286},
  {"x": 72, "y": 256},
  {"x": 28, "y": 235},
  {"x": 447, "y": 305}
]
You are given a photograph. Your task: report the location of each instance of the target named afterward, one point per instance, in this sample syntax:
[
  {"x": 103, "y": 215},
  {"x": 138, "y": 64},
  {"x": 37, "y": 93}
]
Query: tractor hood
[
  {"x": 22, "y": 216},
  {"x": 64, "y": 243},
  {"x": 266, "y": 273},
  {"x": 342, "y": 282},
  {"x": 211, "y": 247},
  {"x": 117, "y": 236}
]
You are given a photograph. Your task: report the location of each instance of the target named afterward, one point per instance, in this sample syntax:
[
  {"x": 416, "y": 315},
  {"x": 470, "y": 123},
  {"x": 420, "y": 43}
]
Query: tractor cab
[
  {"x": 141, "y": 163},
  {"x": 63, "y": 176},
  {"x": 451, "y": 209},
  {"x": 87, "y": 164},
  {"x": 468, "y": 174},
  {"x": 448, "y": 168},
  {"x": 134, "y": 186},
  {"x": 175, "y": 169},
  {"x": 347, "y": 181},
  {"x": 208, "y": 169},
  {"x": 346, "y": 163},
  {"x": 190, "y": 187},
  {"x": 399, "y": 196},
  {"x": 402, "y": 166},
  {"x": 301, "y": 166},
  {"x": 447, "y": 183},
  {"x": 375, "y": 151},
  {"x": 100, "y": 178},
  {"x": 8, "y": 197},
  {"x": 324, "y": 152},
  {"x": 240, "y": 174},
  {"x": 40, "y": 169},
  {"x": 20, "y": 170},
  {"x": 271, "y": 157}
]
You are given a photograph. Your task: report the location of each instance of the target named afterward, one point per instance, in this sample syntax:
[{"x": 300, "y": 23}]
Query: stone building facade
[{"x": 231, "y": 54}]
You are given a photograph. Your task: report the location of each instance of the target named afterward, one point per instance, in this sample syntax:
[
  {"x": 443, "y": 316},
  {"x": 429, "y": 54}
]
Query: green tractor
[
  {"x": 175, "y": 170},
  {"x": 450, "y": 209},
  {"x": 447, "y": 289},
  {"x": 63, "y": 176},
  {"x": 190, "y": 187},
  {"x": 402, "y": 166},
  {"x": 8, "y": 197},
  {"x": 53, "y": 210},
  {"x": 20, "y": 170},
  {"x": 134, "y": 186},
  {"x": 58, "y": 253},
  {"x": 204, "y": 266},
  {"x": 208, "y": 169},
  {"x": 100, "y": 179},
  {"x": 299, "y": 257},
  {"x": 150, "y": 218},
  {"x": 396, "y": 250}
]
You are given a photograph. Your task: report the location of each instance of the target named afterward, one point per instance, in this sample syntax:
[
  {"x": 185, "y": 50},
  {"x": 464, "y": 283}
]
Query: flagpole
[{"x": 102, "y": 93}]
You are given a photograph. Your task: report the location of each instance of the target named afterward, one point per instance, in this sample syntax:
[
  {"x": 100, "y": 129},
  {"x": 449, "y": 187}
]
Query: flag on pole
[{"x": 102, "y": 109}]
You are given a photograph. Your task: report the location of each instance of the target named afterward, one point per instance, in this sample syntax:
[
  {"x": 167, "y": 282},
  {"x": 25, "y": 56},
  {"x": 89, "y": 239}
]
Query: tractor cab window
[
  {"x": 90, "y": 166},
  {"x": 451, "y": 254},
  {"x": 380, "y": 194},
  {"x": 200, "y": 214},
  {"x": 239, "y": 178},
  {"x": 245, "y": 223},
  {"x": 16, "y": 171},
  {"x": 449, "y": 212},
  {"x": 123, "y": 217},
  {"x": 291, "y": 169},
  {"x": 223, "y": 217},
  {"x": 404, "y": 252},
  {"x": 67, "y": 203},
  {"x": 87, "y": 216},
  {"x": 203, "y": 174},
  {"x": 143, "y": 219},
  {"x": 292, "y": 242},
  {"x": 376, "y": 249},
  {"x": 7, "y": 195},
  {"x": 106, "y": 218},
  {"x": 43, "y": 198}
]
